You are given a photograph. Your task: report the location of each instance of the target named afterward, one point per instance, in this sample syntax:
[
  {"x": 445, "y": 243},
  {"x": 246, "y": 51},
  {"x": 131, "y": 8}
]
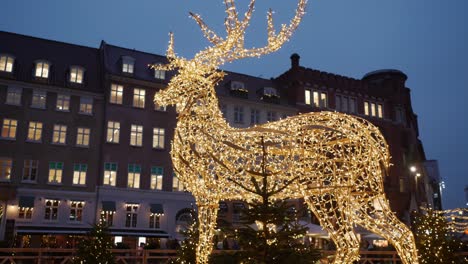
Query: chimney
[{"x": 295, "y": 61}]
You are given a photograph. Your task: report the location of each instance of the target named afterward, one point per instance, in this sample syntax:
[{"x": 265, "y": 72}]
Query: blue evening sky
[{"x": 426, "y": 39}]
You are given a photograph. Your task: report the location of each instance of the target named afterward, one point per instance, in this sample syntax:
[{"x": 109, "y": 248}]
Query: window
[
  {"x": 42, "y": 69},
  {"x": 39, "y": 99},
  {"x": 154, "y": 221},
  {"x": 6, "y": 63},
  {"x": 237, "y": 212},
  {"x": 86, "y": 105},
  {"x": 177, "y": 186},
  {"x": 110, "y": 173},
  {"x": 14, "y": 96},
  {"x": 34, "y": 131},
  {"x": 116, "y": 94},
  {"x": 63, "y": 103},
  {"x": 113, "y": 132},
  {"x": 5, "y": 169},
  {"x": 76, "y": 74},
  {"x": 51, "y": 209},
  {"x": 159, "y": 74},
  {"x": 161, "y": 108},
  {"x": 270, "y": 92},
  {"x": 25, "y": 212},
  {"x": 132, "y": 215},
  {"x": 320, "y": 99},
  {"x": 238, "y": 86},
  {"x": 400, "y": 115},
  {"x": 254, "y": 116},
  {"x": 307, "y": 97},
  {"x": 60, "y": 134},
  {"x": 107, "y": 218},
  {"x": 238, "y": 114},
  {"x": 345, "y": 104},
  {"x": 272, "y": 116},
  {"x": 128, "y": 64},
  {"x": 9, "y": 128},
  {"x": 134, "y": 172},
  {"x": 79, "y": 174},
  {"x": 156, "y": 178},
  {"x": 55, "y": 172},
  {"x": 158, "y": 138},
  {"x": 139, "y": 98},
  {"x": 30, "y": 170},
  {"x": 373, "y": 109},
  {"x": 402, "y": 185},
  {"x": 82, "y": 136},
  {"x": 76, "y": 211},
  {"x": 136, "y": 136}
]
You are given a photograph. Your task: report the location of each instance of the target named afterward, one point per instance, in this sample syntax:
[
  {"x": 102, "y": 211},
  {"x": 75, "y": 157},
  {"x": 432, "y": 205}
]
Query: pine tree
[
  {"x": 96, "y": 247},
  {"x": 433, "y": 240}
]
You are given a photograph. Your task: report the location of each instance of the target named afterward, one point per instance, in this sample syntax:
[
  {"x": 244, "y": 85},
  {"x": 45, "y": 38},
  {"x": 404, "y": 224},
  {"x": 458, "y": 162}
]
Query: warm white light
[{"x": 413, "y": 169}]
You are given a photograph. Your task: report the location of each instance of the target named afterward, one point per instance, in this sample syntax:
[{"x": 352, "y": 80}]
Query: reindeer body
[{"x": 335, "y": 162}]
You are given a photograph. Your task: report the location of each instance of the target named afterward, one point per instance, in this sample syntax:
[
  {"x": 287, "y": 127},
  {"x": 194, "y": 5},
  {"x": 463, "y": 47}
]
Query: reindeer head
[{"x": 196, "y": 78}]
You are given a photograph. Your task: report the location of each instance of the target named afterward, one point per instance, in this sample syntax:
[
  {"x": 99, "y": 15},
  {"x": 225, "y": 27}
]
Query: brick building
[{"x": 83, "y": 142}]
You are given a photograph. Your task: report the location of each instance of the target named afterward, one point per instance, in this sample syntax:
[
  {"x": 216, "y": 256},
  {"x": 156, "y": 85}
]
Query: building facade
[{"x": 82, "y": 141}]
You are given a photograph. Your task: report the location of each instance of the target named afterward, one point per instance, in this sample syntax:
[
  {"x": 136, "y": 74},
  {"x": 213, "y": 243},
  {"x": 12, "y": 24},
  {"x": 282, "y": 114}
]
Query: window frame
[
  {"x": 272, "y": 116},
  {"x": 116, "y": 94},
  {"x": 80, "y": 170},
  {"x": 77, "y": 70},
  {"x": 112, "y": 174},
  {"x": 134, "y": 176},
  {"x": 374, "y": 109},
  {"x": 128, "y": 65},
  {"x": 238, "y": 114},
  {"x": 7, "y": 57},
  {"x": 136, "y": 135},
  {"x": 37, "y": 93},
  {"x": 76, "y": 210},
  {"x": 63, "y": 100},
  {"x": 51, "y": 208},
  {"x": 36, "y": 130},
  {"x": 30, "y": 166},
  {"x": 57, "y": 173},
  {"x": 155, "y": 221},
  {"x": 159, "y": 139},
  {"x": 254, "y": 116},
  {"x": 42, "y": 63},
  {"x": 131, "y": 215},
  {"x": 156, "y": 178},
  {"x": 14, "y": 95},
  {"x": 5, "y": 174},
  {"x": 58, "y": 132},
  {"x": 114, "y": 129},
  {"x": 11, "y": 126},
  {"x": 86, "y": 105},
  {"x": 83, "y": 137},
  {"x": 139, "y": 96}
]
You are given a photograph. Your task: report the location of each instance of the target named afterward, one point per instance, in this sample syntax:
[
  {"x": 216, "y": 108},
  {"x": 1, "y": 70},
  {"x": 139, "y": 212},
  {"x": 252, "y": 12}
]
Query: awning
[
  {"x": 156, "y": 208},
  {"x": 26, "y": 202},
  {"x": 108, "y": 206},
  {"x": 48, "y": 230}
]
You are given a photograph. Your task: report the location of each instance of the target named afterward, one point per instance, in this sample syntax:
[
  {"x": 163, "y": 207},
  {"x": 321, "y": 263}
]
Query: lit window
[
  {"x": 132, "y": 215},
  {"x": 158, "y": 138},
  {"x": 82, "y": 136},
  {"x": 25, "y": 212},
  {"x": 238, "y": 114},
  {"x": 6, "y": 63},
  {"x": 373, "y": 109},
  {"x": 307, "y": 97},
  {"x": 86, "y": 105},
  {"x": 79, "y": 174},
  {"x": 35, "y": 131},
  {"x": 159, "y": 74},
  {"x": 14, "y": 96},
  {"x": 134, "y": 172},
  {"x": 136, "y": 136},
  {"x": 254, "y": 116},
  {"x": 319, "y": 99},
  {"x": 5, "y": 169},
  {"x": 139, "y": 98},
  {"x": 156, "y": 178},
  {"x": 76, "y": 74},
  {"x": 51, "y": 209},
  {"x": 113, "y": 132},
  {"x": 55, "y": 172},
  {"x": 9, "y": 128},
  {"x": 116, "y": 94},
  {"x": 76, "y": 211},
  {"x": 110, "y": 173},
  {"x": 177, "y": 185},
  {"x": 154, "y": 221},
  {"x": 63, "y": 103},
  {"x": 60, "y": 134},
  {"x": 30, "y": 170},
  {"x": 272, "y": 116},
  {"x": 39, "y": 99},
  {"x": 128, "y": 64},
  {"x": 42, "y": 69}
]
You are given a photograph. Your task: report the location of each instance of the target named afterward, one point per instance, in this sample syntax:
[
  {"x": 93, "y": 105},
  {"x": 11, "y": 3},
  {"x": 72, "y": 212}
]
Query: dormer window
[
  {"x": 6, "y": 63},
  {"x": 128, "y": 64},
  {"x": 159, "y": 74},
  {"x": 76, "y": 74},
  {"x": 42, "y": 69},
  {"x": 238, "y": 86},
  {"x": 270, "y": 92}
]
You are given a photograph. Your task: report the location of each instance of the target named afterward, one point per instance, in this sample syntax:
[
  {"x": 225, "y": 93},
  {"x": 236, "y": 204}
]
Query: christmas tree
[
  {"x": 433, "y": 239},
  {"x": 96, "y": 247}
]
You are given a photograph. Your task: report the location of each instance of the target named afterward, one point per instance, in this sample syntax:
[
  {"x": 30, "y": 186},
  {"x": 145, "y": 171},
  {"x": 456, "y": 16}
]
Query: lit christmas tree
[{"x": 96, "y": 247}]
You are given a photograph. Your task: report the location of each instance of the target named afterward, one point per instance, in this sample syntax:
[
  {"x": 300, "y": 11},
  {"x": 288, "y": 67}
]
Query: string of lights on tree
[
  {"x": 334, "y": 161},
  {"x": 457, "y": 219}
]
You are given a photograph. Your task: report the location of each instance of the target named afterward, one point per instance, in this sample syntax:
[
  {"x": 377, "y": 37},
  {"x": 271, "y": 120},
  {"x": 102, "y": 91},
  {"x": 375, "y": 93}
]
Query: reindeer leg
[
  {"x": 335, "y": 217},
  {"x": 207, "y": 214},
  {"x": 386, "y": 224}
]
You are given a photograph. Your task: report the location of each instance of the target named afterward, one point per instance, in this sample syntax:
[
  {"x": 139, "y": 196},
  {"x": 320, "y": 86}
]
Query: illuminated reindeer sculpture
[{"x": 334, "y": 161}]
